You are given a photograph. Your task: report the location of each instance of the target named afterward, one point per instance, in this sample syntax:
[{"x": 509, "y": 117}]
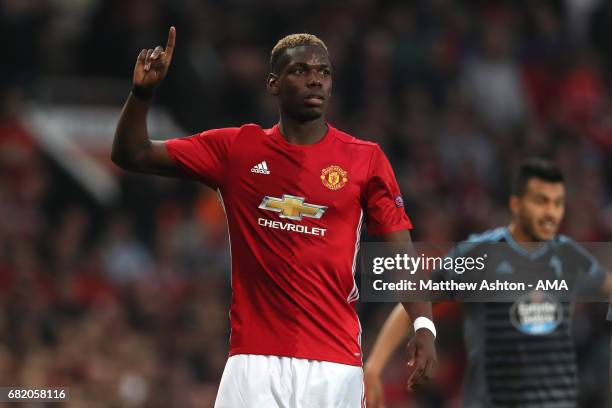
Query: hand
[
  {"x": 373, "y": 388},
  {"x": 423, "y": 357},
  {"x": 152, "y": 64}
]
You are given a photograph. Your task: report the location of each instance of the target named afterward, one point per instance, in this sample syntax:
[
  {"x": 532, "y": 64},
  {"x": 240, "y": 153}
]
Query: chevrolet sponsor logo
[
  {"x": 292, "y": 207},
  {"x": 287, "y": 226}
]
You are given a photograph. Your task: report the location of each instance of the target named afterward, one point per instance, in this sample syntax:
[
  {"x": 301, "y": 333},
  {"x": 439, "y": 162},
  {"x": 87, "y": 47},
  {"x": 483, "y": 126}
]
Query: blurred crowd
[{"x": 128, "y": 305}]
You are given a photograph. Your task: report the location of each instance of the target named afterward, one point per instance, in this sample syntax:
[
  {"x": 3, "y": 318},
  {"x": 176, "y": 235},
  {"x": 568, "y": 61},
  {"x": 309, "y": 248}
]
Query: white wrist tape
[{"x": 424, "y": 323}]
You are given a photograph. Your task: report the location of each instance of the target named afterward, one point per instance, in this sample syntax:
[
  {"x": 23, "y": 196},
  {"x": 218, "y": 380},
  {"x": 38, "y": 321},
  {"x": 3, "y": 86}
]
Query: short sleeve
[
  {"x": 203, "y": 156},
  {"x": 591, "y": 275},
  {"x": 383, "y": 201}
]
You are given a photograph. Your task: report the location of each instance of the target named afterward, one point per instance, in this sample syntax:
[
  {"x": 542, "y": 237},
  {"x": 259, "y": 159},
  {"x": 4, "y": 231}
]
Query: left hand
[
  {"x": 373, "y": 388},
  {"x": 423, "y": 357}
]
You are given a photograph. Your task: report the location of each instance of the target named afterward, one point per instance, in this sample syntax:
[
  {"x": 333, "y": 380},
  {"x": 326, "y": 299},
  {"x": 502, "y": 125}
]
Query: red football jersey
[{"x": 294, "y": 214}]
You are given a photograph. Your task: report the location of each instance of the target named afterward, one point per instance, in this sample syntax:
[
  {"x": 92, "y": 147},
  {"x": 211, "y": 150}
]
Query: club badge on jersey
[
  {"x": 334, "y": 177},
  {"x": 536, "y": 313}
]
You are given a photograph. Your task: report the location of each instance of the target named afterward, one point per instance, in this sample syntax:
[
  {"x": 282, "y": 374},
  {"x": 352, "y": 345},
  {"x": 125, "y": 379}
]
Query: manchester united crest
[{"x": 333, "y": 177}]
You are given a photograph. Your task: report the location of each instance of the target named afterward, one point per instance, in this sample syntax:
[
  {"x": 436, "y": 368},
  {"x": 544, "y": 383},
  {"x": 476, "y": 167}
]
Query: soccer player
[
  {"x": 512, "y": 363},
  {"x": 295, "y": 196}
]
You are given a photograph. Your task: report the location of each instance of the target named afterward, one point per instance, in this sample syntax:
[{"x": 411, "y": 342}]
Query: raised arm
[{"x": 132, "y": 149}]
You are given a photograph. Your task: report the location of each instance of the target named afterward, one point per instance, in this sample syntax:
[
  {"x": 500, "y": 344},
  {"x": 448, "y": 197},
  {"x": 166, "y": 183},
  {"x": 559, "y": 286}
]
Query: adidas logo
[{"x": 261, "y": 168}]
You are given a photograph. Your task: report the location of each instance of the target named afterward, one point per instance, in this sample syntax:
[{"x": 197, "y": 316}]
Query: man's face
[
  {"x": 540, "y": 209},
  {"x": 303, "y": 82}
]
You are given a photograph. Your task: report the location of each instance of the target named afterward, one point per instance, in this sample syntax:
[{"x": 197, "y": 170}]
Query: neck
[
  {"x": 518, "y": 234},
  {"x": 302, "y": 133}
]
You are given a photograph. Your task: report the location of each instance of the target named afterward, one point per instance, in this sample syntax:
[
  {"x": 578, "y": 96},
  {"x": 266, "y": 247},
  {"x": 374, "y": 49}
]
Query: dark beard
[{"x": 527, "y": 225}]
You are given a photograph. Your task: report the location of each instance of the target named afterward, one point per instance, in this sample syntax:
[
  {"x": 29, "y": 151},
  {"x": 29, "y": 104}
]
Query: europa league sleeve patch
[{"x": 399, "y": 201}]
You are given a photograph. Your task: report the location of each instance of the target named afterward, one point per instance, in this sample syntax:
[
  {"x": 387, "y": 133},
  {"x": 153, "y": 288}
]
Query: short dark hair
[
  {"x": 535, "y": 167},
  {"x": 292, "y": 41}
]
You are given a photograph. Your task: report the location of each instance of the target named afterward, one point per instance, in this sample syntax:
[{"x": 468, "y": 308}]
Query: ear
[
  {"x": 514, "y": 204},
  {"x": 272, "y": 85}
]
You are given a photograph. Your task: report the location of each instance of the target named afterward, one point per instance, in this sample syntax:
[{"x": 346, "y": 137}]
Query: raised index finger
[{"x": 170, "y": 44}]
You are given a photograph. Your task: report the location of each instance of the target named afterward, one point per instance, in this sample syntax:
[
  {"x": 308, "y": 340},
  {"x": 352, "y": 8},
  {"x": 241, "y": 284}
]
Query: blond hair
[{"x": 292, "y": 41}]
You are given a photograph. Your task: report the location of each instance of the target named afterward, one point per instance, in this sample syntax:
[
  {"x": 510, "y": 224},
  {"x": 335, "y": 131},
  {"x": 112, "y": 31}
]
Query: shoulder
[
  {"x": 233, "y": 131},
  {"x": 492, "y": 235},
  {"x": 367, "y": 152},
  {"x": 474, "y": 241},
  {"x": 575, "y": 248},
  {"x": 228, "y": 135},
  {"x": 246, "y": 128},
  {"x": 253, "y": 127},
  {"x": 353, "y": 141}
]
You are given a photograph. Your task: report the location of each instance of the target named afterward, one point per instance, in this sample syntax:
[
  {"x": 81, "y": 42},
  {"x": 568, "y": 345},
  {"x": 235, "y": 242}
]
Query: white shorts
[{"x": 255, "y": 381}]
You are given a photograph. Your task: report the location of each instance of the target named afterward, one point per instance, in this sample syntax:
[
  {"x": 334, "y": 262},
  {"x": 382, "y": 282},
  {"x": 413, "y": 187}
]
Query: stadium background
[{"x": 117, "y": 285}]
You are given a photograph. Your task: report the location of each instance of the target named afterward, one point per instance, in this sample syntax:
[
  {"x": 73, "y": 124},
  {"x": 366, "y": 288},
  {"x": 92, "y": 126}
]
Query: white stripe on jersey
[
  {"x": 229, "y": 238},
  {"x": 354, "y": 295}
]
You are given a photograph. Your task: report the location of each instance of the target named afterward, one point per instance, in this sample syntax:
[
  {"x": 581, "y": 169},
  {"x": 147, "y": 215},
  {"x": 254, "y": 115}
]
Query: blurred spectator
[
  {"x": 126, "y": 258},
  {"x": 492, "y": 77}
]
